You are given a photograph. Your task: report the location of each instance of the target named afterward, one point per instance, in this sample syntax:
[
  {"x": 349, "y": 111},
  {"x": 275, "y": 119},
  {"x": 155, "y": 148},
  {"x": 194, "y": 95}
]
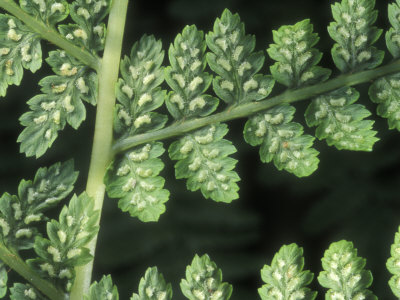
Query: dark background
[{"x": 353, "y": 196}]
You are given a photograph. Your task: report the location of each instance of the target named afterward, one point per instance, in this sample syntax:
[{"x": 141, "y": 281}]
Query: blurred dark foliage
[{"x": 353, "y": 196}]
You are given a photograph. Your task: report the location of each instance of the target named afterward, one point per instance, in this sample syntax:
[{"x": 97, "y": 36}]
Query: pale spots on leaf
[
  {"x": 227, "y": 85},
  {"x": 41, "y": 119},
  {"x": 142, "y": 120},
  {"x": 83, "y": 12},
  {"x": 364, "y": 56},
  {"x": 194, "y": 84},
  {"x": 80, "y": 33},
  {"x": 197, "y": 103},
  {"x": 57, "y": 7},
  {"x": 25, "y": 232}
]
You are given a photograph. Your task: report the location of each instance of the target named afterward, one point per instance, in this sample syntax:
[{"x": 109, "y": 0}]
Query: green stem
[
  {"x": 50, "y": 34},
  {"x": 102, "y": 143},
  {"x": 17, "y": 264},
  {"x": 247, "y": 109}
]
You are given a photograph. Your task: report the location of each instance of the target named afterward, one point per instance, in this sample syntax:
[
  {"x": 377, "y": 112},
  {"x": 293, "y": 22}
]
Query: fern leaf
[
  {"x": 19, "y": 214},
  {"x": 89, "y": 31},
  {"x": 344, "y": 273},
  {"x": 133, "y": 178},
  {"x": 393, "y": 264},
  {"x": 103, "y": 290},
  {"x": 25, "y": 292},
  {"x": 355, "y": 35},
  {"x": 282, "y": 141},
  {"x": 284, "y": 278},
  {"x": 19, "y": 45},
  {"x": 19, "y": 48},
  {"x": 235, "y": 63},
  {"x": 3, "y": 280},
  {"x": 296, "y": 58},
  {"x": 204, "y": 281},
  {"x": 60, "y": 103},
  {"x": 393, "y": 35},
  {"x": 65, "y": 249},
  {"x": 202, "y": 155},
  {"x": 49, "y": 11},
  {"x": 153, "y": 287},
  {"x": 340, "y": 121},
  {"x": 187, "y": 78},
  {"x": 203, "y": 159},
  {"x": 385, "y": 92},
  {"x": 138, "y": 92}
]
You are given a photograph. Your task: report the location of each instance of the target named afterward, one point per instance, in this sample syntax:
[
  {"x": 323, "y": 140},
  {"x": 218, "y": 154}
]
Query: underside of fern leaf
[
  {"x": 61, "y": 101},
  {"x": 233, "y": 59},
  {"x": 202, "y": 155},
  {"x": 104, "y": 289},
  {"x": 285, "y": 278},
  {"x": 340, "y": 121},
  {"x": 134, "y": 176},
  {"x": 204, "y": 281},
  {"x": 282, "y": 141},
  {"x": 344, "y": 273},
  {"x": 153, "y": 287},
  {"x": 385, "y": 91},
  {"x": 65, "y": 247},
  {"x": 355, "y": 35},
  {"x": 203, "y": 159},
  {"x": 19, "y": 214},
  {"x": 134, "y": 180}
]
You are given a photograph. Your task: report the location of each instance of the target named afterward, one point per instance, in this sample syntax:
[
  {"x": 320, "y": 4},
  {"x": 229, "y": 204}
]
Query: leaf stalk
[
  {"x": 248, "y": 109},
  {"x": 17, "y": 264},
  {"x": 50, "y": 34},
  {"x": 103, "y": 134}
]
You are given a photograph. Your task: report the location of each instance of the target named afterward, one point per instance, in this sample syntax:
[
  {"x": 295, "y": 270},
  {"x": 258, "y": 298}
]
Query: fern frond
[
  {"x": 282, "y": 141},
  {"x": 203, "y": 154},
  {"x": 65, "y": 249},
  {"x": 355, "y": 35},
  {"x": 60, "y": 103},
  {"x": 340, "y": 121},
  {"x": 385, "y": 91},
  {"x": 153, "y": 287},
  {"x": 204, "y": 281},
  {"x": 187, "y": 78},
  {"x": 19, "y": 214},
  {"x": 20, "y": 45},
  {"x": 19, "y": 48},
  {"x": 284, "y": 278},
  {"x": 133, "y": 178},
  {"x": 203, "y": 159},
  {"x": 296, "y": 58},
  {"x": 138, "y": 92},
  {"x": 393, "y": 35},
  {"x": 393, "y": 265},
  {"x": 232, "y": 58},
  {"x": 21, "y": 291},
  {"x": 50, "y": 12},
  {"x": 89, "y": 31},
  {"x": 344, "y": 273},
  {"x": 104, "y": 289}
]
